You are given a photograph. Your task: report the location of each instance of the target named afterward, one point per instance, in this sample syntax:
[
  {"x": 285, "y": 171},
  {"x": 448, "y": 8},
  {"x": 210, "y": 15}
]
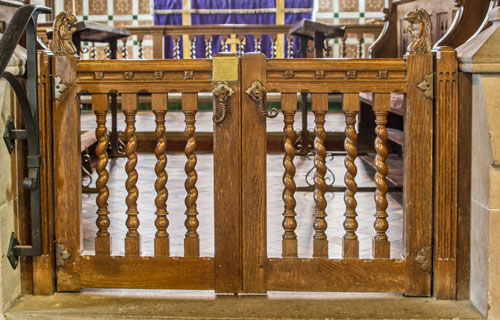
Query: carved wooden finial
[
  {"x": 419, "y": 29},
  {"x": 62, "y": 42}
]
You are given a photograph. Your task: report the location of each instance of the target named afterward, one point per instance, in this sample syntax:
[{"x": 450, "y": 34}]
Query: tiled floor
[{"x": 176, "y": 207}]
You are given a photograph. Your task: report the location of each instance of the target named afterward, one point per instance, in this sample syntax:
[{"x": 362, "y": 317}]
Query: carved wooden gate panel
[
  {"x": 409, "y": 274},
  {"x": 77, "y": 269}
]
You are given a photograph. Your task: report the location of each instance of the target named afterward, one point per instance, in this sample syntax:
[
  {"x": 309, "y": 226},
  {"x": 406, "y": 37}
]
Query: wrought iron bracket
[
  {"x": 10, "y": 135},
  {"x": 24, "y": 21},
  {"x": 10, "y": 252}
]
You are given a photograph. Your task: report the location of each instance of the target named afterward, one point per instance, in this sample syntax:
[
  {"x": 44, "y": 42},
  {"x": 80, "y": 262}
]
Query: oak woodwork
[
  {"x": 417, "y": 192},
  {"x": 103, "y": 237},
  {"x": 446, "y": 178},
  {"x": 350, "y": 242},
  {"x": 289, "y": 242},
  {"x": 159, "y": 106},
  {"x": 381, "y": 107},
  {"x": 157, "y": 272},
  {"x": 320, "y": 242},
  {"x": 133, "y": 238},
  {"x": 373, "y": 275},
  {"x": 227, "y": 196},
  {"x": 67, "y": 173},
  {"x": 44, "y": 266},
  {"x": 254, "y": 200},
  {"x": 191, "y": 240}
]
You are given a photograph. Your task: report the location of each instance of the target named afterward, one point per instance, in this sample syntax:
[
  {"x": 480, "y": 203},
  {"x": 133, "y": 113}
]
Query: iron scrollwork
[
  {"x": 222, "y": 92},
  {"x": 258, "y": 92}
]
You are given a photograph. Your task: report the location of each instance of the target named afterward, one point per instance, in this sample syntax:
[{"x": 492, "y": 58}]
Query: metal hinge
[
  {"x": 424, "y": 259},
  {"x": 427, "y": 86},
  {"x": 61, "y": 254},
  {"x": 10, "y": 134}
]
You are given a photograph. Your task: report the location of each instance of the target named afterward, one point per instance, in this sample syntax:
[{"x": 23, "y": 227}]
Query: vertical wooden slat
[
  {"x": 446, "y": 171},
  {"x": 350, "y": 242},
  {"x": 254, "y": 201},
  {"x": 103, "y": 238},
  {"x": 227, "y": 197},
  {"x": 417, "y": 190},
  {"x": 289, "y": 243},
  {"x": 133, "y": 238},
  {"x": 380, "y": 245},
  {"x": 159, "y": 106},
  {"x": 44, "y": 265},
  {"x": 67, "y": 174},
  {"x": 320, "y": 243},
  {"x": 191, "y": 240}
]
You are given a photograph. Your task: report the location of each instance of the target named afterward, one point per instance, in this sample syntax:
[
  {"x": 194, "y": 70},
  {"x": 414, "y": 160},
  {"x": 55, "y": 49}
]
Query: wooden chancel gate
[{"x": 241, "y": 263}]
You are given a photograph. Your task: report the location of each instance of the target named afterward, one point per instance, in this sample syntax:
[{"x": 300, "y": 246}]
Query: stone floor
[
  {"x": 165, "y": 304},
  {"x": 175, "y": 121},
  {"x": 176, "y": 207}
]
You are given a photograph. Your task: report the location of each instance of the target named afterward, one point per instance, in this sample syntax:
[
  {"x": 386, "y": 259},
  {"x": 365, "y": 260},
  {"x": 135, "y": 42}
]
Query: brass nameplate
[{"x": 225, "y": 69}]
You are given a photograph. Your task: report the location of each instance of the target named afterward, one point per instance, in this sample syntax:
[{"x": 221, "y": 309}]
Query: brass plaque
[{"x": 225, "y": 68}]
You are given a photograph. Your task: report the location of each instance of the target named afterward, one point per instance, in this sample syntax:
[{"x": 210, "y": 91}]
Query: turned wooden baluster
[
  {"x": 103, "y": 238},
  {"x": 359, "y": 46},
  {"x": 133, "y": 238},
  {"x": 320, "y": 243},
  {"x": 290, "y": 47},
  {"x": 124, "y": 49},
  {"x": 350, "y": 242},
  {"x": 93, "y": 51},
  {"x": 224, "y": 47},
  {"x": 159, "y": 106},
  {"x": 140, "y": 49},
  {"x": 191, "y": 240},
  {"x": 257, "y": 42},
  {"x": 177, "y": 47},
  {"x": 274, "y": 49},
  {"x": 342, "y": 47},
  {"x": 192, "y": 49},
  {"x": 208, "y": 47},
  {"x": 289, "y": 244},
  {"x": 381, "y": 245},
  {"x": 241, "y": 46}
]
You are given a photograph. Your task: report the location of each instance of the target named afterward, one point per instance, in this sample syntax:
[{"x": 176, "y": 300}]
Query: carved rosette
[
  {"x": 62, "y": 43},
  {"x": 419, "y": 30}
]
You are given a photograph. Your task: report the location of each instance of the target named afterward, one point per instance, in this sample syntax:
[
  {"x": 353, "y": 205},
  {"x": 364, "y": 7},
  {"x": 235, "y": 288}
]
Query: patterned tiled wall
[{"x": 137, "y": 12}]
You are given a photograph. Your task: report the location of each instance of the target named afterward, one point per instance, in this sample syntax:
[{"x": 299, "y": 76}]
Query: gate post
[
  {"x": 418, "y": 131},
  {"x": 66, "y": 155},
  {"x": 446, "y": 174},
  {"x": 254, "y": 200}
]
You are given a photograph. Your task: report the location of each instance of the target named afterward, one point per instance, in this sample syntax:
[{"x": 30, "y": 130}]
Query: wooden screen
[{"x": 241, "y": 263}]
